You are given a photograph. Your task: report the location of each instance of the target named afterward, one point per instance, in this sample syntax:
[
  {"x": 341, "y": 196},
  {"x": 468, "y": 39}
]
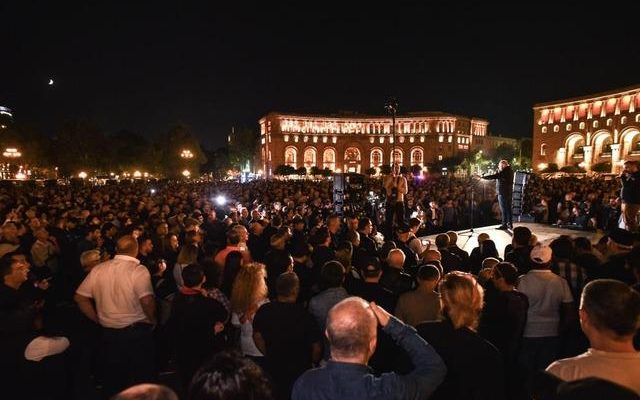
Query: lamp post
[{"x": 392, "y": 108}]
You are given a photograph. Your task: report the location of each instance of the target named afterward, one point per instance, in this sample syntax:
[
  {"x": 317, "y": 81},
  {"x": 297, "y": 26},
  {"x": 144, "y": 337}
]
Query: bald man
[
  {"x": 352, "y": 334},
  {"x": 125, "y": 308}
]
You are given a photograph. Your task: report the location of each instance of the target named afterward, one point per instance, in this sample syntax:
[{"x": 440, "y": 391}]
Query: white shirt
[
  {"x": 117, "y": 286},
  {"x": 620, "y": 368},
  {"x": 247, "y": 345},
  {"x": 546, "y": 292}
]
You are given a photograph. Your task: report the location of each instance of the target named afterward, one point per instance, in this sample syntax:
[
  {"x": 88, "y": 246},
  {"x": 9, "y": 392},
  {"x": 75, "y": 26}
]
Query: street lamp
[
  {"x": 12, "y": 152},
  {"x": 82, "y": 175},
  {"x": 392, "y": 108},
  {"x": 187, "y": 154},
  {"x": 186, "y": 173}
]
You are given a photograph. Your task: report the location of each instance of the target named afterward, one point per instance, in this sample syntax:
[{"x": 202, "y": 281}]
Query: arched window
[
  {"x": 417, "y": 156},
  {"x": 310, "y": 157},
  {"x": 543, "y": 149},
  {"x": 397, "y": 156},
  {"x": 544, "y": 129},
  {"x": 582, "y": 125},
  {"x": 329, "y": 159},
  {"x": 290, "y": 156},
  {"x": 568, "y": 127},
  {"x": 623, "y": 120},
  {"x": 609, "y": 122},
  {"x": 556, "y": 128},
  {"x": 595, "y": 124},
  {"x": 376, "y": 158},
  {"x": 638, "y": 118}
]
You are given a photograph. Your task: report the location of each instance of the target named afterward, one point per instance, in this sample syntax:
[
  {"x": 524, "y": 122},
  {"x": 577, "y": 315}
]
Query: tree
[
  {"x": 504, "y": 152},
  {"x": 302, "y": 171},
  {"x": 370, "y": 171},
  {"x": 174, "y": 142},
  {"x": 79, "y": 145},
  {"x": 284, "y": 170},
  {"x": 403, "y": 169},
  {"x": 327, "y": 172},
  {"x": 129, "y": 151},
  {"x": 603, "y": 167},
  {"x": 385, "y": 169},
  {"x": 315, "y": 171},
  {"x": 243, "y": 146},
  {"x": 552, "y": 167}
]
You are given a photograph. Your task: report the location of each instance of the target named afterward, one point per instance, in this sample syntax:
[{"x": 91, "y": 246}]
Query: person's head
[
  {"x": 442, "y": 241},
  {"x": 396, "y": 259},
  {"x": 236, "y": 235},
  {"x": 582, "y": 245},
  {"x": 609, "y": 309},
  {"x": 333, "y": 223},
  {"x": 41, "y": 234},
  {"x": 227, "y": 376},
  {"x": 403, "y": 233},
  {"x": 89, "y": 259},
  {"x": 288, "y": 287},
  {"x": 541, "y": 256},
  {"x": 352, "y": 222},
  {"x": 489, "y": 249},
  {"x": 193, "y": 276},
  {"x": 351, "y": 330},
  {"x": 453, "y": 238},
  {"x": 414, "y": 225},
  {"x": 332, "y": 274},
  {"x": 322, "y": 236},
  {"x": 145, "y": 245},
  {"x": 562, "y": 248},
  {"x": 521, "y": 236},
  {"x": 503, "y": 164},
  {"x": 249, "y": 287},
  {"x": 173, "y": 242},
  {"x": 504, "y": 276},
  {"x": 279, "y": 239},
  {"x": 462, "y": 299},
  {"x": 93, "y": 233},
  {"x": 630, "y": 166},
  {"x": 353, "y": 237},
  {"x": 162, "y": 229},
  {"x": 372, "y": 270},
  {"x": 10, "y": 231},
  {"x": 482, "y": 237},
  {"x": 386, "y": 248},
  {"x": 432, "y": 255},
  {"x": 256, "y": 227},
  {"x": 489, "y": 262},
  {"x": 146, "y": 391},
  {"x": 365, "y": 226},
  {"x": 14, "y": 271},
  {"x": 620, "y": 241},
  {"x": 344, "y": 254},
  {"x": 428, "y": 276},
  {"x": 127, "y": 246}
]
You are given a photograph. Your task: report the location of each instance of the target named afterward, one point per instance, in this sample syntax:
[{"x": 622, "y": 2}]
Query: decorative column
[
  {"x": 561, "y": 157},
  {"x": 615, "y": 157},
  {"x": 588, "y": 157}
]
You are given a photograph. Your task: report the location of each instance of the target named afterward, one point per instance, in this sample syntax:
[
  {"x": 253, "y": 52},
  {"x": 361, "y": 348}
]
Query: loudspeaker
[{"x": 519, "y": 182}]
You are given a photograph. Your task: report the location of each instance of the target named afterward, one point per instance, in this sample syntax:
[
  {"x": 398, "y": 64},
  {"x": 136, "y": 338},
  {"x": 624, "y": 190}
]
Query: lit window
[
  {"x": 582, "y": 125},
  {"x": 450, "y": 139},
  {"x": 305, "y": 139},
  {"x": 411, "y": 139},
  {"x": 401, "y": 139},
  {"x": 315, "y": 139},
  {"x": 556, "y": 128},
  {"x": 263, "y": 140},
  {"x": 381, "y": 139},
  {"x": 372, "y": 139},
  {"x": 324, "y": 139},
  {"x": 568, "y": 127},
  {"x": 440, "y": 138},
  {"x": 544, "y": 129},
  {"x": 595, "y": 124},
  {"x": 440, "y": 157},
  {"x": 295, "y": 138},
  {"x": 391, "y": 139},
  {"x": 286, "y": 138},
  {"x": 623, "y": 120},
  {"x": 334, "y": 139},
  {"x": 543, "y": 149},
  {"x": 609, "y": 121},
  {"x": 638, "y": 118},
  {"x": 421, "y": 139}
]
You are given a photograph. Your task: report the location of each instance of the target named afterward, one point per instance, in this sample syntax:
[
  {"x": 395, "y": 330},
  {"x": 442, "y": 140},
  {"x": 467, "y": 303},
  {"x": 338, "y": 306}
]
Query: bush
[
  {"x": 284, "y": 170},
  {"x": 552, "y": 167},
  {"x": 385, "y": 169},
  {"x": 315, "y": 171},
  {"x": 302, "y": 171},
  {"x": 327, "y": 172},
  {"x": 371, "y": 171},
  {"x": 572, "y": 169},
  {"x": 416, "y": 170}
]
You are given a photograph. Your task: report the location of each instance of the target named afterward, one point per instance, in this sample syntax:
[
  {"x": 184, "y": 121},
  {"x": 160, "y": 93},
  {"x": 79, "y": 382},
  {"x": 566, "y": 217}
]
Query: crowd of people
[{"x": 259, "y": 290}]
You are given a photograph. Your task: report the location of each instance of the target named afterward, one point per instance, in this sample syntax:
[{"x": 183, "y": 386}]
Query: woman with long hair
[
  {"x": 471, "y": 361},
  {"x": 249, "y": 292}
]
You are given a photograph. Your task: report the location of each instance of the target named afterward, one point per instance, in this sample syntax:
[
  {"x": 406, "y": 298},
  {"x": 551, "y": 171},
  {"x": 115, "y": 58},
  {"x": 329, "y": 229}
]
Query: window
[
  {"x": 324, "y": 139},
  {"x": 401, "y": 139},
  {"x": 329, "y": 159},
  {"x": 637, "y": 117},
  {"x": 397, "y": 156},
  {"x": 315, "y": 139},
  {"x": 623, "y": 120},
  {"x": 376, "y": 158},
  {"x": 416, "y": 156},
  {"x": 334, "y": 139},
  {"x": 290, "y": 155},
  {"x": 421, "y": 139},
  {"x": 411, "y": 139},
  {"x": 543, "y": 149},
  {"x": 440, "y": 157},
  {"x": 450, "y": 140},
  {"x": 568, "y": 127},
  {"x": 286, "y": 138},
  {"x": 582, "y": 125},
  {"x": 372, "y": 139},
  {"x": 441, "y": 138},
  {"x": 544, "y": 129},
  {"x": 595, "y": 124},
  {"x": 381, "y": 139},
  {"x": 295, "y": 138},
  {"x": 556, "y": 128},
  {"x": 609, "y": 122},
  {"x": 309, "y": 157}
]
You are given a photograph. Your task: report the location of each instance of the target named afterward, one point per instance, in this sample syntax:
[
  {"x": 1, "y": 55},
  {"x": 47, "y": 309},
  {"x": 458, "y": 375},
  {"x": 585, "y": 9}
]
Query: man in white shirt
[
  {"x": 609, "y": 316},
  {"x": 550, "y": 311},
  {"x": 125, "y": 308}
]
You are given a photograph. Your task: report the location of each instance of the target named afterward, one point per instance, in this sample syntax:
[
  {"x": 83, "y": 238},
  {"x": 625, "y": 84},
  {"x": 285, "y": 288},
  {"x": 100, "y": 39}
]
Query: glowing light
[
  {"x": 259, "y": 172},
  {"x": 82, "y": 175},
  {"x": 186, "y": 173},
  {"x": 137, "y": 174},
  {"x": 338, "y": 170},
  {"x": 186, "y": 154},
  {"x": 20, "y": 175},
  {"x": 153, "y": 191},
  {"x": 221, "y": 200},
  {"x": 51, "y": 82},
  {"x": 12, "y": 152},
  {"x": 542, "y": 166},
  {"x": 582, "y": 164},
  {"x": 146, "y": 174},
  {"x": 111, "y": 174}
]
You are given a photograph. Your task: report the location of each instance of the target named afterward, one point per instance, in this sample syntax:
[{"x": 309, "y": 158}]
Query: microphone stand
[{"x": 471, "y": 232}]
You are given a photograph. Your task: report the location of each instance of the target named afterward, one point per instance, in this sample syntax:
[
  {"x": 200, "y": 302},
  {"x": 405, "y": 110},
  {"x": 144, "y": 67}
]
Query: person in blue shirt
[{"x": 352, "y": 335}]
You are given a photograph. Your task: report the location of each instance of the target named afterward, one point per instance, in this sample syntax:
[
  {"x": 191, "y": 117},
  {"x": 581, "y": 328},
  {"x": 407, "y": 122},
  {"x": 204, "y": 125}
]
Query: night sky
[{"x": 147, "y": 67}]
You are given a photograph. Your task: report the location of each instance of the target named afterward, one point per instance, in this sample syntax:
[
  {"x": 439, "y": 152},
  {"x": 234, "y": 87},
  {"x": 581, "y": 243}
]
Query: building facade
[
  {"x": 355, "y": 143},
  {"x": 596, "y": 132},
  {"x": 6, "y": 117}
]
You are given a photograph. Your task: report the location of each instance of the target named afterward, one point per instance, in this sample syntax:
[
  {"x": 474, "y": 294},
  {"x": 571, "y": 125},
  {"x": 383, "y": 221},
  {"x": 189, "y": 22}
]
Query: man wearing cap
[
  {"x": 630, "y": 195},
  {"x": 550, "y": 311},
  {"x": 619, "y": 246},
  {"x": 504, "y": 187}
]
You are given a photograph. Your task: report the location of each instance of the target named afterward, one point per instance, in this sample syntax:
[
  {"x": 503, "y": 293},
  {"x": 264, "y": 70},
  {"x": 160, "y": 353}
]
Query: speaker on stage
[{"x": 517, "y": 200}]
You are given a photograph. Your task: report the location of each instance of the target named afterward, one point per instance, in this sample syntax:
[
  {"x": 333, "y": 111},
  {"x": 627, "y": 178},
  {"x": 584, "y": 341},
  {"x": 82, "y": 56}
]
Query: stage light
[
  {"x": 82, "y": 175},
  {"x": 542, "y": 166},
  {"x": 186, "y": 173},
  {"x": 153, "y": 191},
  {"x": 221, "y": 200}
]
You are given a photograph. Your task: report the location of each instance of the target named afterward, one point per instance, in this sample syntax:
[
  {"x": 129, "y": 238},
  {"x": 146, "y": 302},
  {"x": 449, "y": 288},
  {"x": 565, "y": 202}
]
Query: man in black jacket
[
  {"x": 630, "y": 195},
  {"x": 504, "y": 187}
]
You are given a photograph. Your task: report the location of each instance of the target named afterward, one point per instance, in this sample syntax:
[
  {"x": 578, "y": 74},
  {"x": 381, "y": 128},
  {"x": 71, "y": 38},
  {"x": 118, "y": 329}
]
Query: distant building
[
  {"x": 354, "y": 143},
  {"x": 597, "y": 131}
]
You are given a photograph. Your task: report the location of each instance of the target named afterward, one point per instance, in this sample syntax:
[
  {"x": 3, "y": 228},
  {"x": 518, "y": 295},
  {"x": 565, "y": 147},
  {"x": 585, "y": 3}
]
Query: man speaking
[{"x": 504, "y": 187}]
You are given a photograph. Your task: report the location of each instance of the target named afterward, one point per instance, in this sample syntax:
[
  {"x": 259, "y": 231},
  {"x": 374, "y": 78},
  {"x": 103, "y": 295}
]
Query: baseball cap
[{"x": 541, "y": 254}]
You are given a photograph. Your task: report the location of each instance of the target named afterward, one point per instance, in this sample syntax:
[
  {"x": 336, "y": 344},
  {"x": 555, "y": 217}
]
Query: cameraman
[
  {"x": 630, "y": 195},
  {"x": 396, "y": 187}
]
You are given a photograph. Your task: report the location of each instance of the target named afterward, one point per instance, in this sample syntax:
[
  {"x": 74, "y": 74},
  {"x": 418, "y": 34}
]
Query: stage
[{"x": 545, "y": 233}]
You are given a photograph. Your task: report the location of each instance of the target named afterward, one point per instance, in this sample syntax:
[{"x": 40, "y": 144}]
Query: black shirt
[
  {"x": 474, "y": 366},
  {"x": 277, "y": 262},
  {"x": 396, "y": 281},
  {"x": 17, "y": 317},
  {"x": 504, "y": 181},
  {"x": 376, "y": 292},
  {"x": 258, "y": 247}
]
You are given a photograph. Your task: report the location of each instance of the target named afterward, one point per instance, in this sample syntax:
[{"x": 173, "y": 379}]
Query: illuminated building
[{"x": 595, "y": 132}]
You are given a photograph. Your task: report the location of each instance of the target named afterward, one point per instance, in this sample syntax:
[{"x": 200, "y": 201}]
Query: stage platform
[{"x": 545, "y": 233}]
